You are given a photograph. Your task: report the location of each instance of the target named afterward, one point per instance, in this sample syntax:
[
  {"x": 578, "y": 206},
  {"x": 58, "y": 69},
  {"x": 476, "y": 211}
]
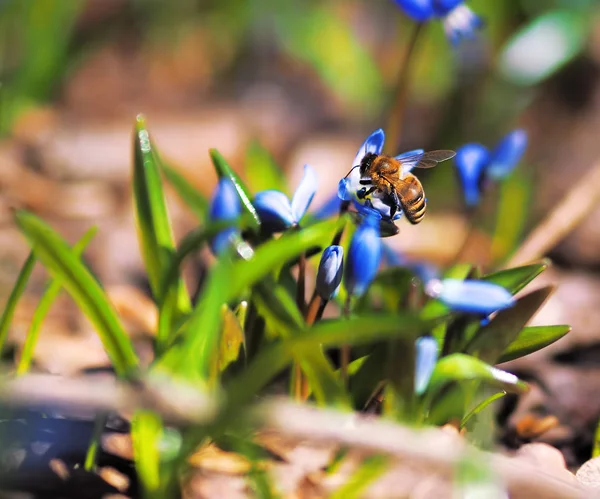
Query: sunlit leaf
[
  {"x": 544, "y": 46},
  {"x": 531, "y": 339},
  {"x": 232, "y": 340},
  {"x": 460, "y": 367},
  {"x": 52, "y": 291},
  {"x": 63, "y": 264},
  {"x": 146, "y": 434},
  {"x": 481, "y": 406},
  {"x": 154, "y": 226},
  {"x": 490, "y": 341},
  {"x": 225, "y": 171},
  {"x": 517, "y": 278},
  {"x": 367, "y": 472}
]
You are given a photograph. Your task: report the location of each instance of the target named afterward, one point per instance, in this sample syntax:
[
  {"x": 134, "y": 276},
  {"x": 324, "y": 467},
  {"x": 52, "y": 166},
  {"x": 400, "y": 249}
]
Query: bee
[{"x": 392, "y": 179}]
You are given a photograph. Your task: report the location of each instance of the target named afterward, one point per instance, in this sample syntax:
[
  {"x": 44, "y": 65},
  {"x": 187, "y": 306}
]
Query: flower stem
[
  {"x": 345, "y": 349},
  {"x": 301, "y": 290},
  {"x": 394, "y": 122}
]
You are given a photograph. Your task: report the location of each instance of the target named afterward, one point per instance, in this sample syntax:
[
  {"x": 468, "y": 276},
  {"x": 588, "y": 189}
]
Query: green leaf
[
  {"x": 53, "y": 251},
  {"x": 192, "y": 197},
  {"x": 146, "y": 433},
  {"x": 459, "y": 367},
  {"x": 515, "y": 279},
  {"x": 13, "y": 298},
  {"x": 372, "y": 468},
  {"x": 154, "y": 227},
  {"x": 491, "y": 340},
  {"x": 261, "y": 170},
  {"x": 481, "y": 406},
  {"x": 555, "y": 38},
  {"x": 52, "y": 290},
  {"x": 232, "y": 340},
  {"x": 227, "y": 281},
  {"x": 531, "y": 339},
  {"x": 225, "y": 171}
]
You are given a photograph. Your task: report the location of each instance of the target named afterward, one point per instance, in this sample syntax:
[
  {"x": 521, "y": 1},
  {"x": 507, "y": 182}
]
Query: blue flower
[
  {"x": 470, "y": 161},
  {"x": 459, "y": 21},
  {"x": 225, "y": 205},
  {"x": 329, "y": 208},
  {"x": 329, "y": 275},
  {"x": 477, "y": 166},
  {"x": 477, "y": 297},
  {"x": 507, "y": 154},
  {"x": 350, "y": 188},
  {"x": 426, "y": 357},
  {"x": 364, "y": 256},
  {"x": 275, "y": 210}
]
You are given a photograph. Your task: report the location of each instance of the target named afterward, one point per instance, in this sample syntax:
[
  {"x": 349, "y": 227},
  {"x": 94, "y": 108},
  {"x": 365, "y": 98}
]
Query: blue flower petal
[
  {"x": 478, "y": 297},
  {"x": 443, "y": 7},
  {"x": 373, "y": 144},
  {"x": 409, "y": 159},
  {"x": 426, "y": 357},
  {"x": 364, "y": 257},
  {"x": 419, "y": 10},
  {"x": 344, "y": 190},
  {"x": 471, "y": 160},
  {"x": 329, "y": 208},
  {"x": 225, "y": 203},
  {"x": 329, "y": 275},
  {"x": 461, "y": 23},
  {"x": 304, "y": 193},
  {"x": 507, "y": 154},
  {"x": 274, "y": 210}
]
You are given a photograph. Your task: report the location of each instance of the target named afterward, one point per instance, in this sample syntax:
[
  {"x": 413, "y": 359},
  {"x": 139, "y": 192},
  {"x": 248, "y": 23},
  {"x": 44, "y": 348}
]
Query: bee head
[{"x": 366, "y": 162}]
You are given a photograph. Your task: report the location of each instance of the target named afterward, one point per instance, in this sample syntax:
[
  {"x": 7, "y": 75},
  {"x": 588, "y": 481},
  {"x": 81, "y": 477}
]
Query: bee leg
[
  {"x": 395, "y": 206},
  {"x": 364, "y": 182},
  {"x": 361, "y": 195}
]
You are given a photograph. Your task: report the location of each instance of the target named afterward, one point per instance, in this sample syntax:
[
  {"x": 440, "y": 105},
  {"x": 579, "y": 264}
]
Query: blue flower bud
[
  {"x": 470, "y": 161},
  {"x": 275, "y": 210},
  {"x": 443, "y": 7},
  {"x": 477, "y": 297},
  {"x": 426, "y": 357},
  {"x": 329, "y": 275},
  {"x": 507, "y": 154},
  {"x": 419, "y": 10},
  {"x": 364, "y": 256},
  {"x": 225, "y": 205}
]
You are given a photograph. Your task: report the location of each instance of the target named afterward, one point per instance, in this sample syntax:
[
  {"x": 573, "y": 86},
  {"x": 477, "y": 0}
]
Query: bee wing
[{"x": 420, "y": 159}]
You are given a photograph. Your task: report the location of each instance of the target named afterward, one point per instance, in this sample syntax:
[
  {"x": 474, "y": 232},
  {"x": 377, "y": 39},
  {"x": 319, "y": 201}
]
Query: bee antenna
[{"x": 357, "y": 166}]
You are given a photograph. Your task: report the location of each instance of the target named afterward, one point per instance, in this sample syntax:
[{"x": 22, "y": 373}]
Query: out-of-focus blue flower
[
  {"x": 364, "y": 256},
  {"x": 350, "y": 188},
  {"x": 426, "y": 357},
  {"x": 470, "y": 161},
  {"x": 507, "y": 154},
  {"x": 477, "y": 166},
  {"x": 275, "y": 210},
  {"x": 329, "y": 208},
  {"x": 477, "y": 297},
  {"x": 459, "y": 21},
  {"x": 329, "y": 275},
  {"x": 225, "y": 205}
]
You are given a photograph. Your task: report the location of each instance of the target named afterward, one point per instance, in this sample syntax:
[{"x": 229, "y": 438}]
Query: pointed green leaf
[
  {"x": 261, "y": 170},
  {"x": 52, "y": 290},
  {"x": 531, "y": 339},
  {"x": 517, "y": 278},
  {"x": 191, "y": 196},
  {"x": 13, "y": 298},
  {"x": 146, "y": 433},
  {"x": 491, "y": 340},
  {"x": 60, "y": 260},
  {"x": 154, "y": 226},
  {"x": 225, "y": 171},
  {"x": 459, "y": 367},
  {"x": 481, "y": 406},
  {"x": 232, "y": 340}
]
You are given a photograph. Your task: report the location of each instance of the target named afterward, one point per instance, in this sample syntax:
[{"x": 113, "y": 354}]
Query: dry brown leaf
[
  {"x": 118, "y": 444},
  {"x": 115, "y": 478},
  {"x": 211, "y": 458}
]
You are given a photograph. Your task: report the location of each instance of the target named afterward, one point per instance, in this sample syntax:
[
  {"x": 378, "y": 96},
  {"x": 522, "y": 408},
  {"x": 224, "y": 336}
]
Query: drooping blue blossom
[
  {"x": 276, "y": 211},
  {"x": 459, "y": 21},
  {"x": 472, "y": 296},
  {"x": 225, "y": 205},
  {"x": 477, "y": 166},
  {"x": 350, "y": 188},
  {"x": 364, "y": 256},
  {"x": 470, "y": 161},
  {"x": 507, "y": 154},
  {"x": 426, "y": 357},
  {"x": 329, "y": 275}
]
